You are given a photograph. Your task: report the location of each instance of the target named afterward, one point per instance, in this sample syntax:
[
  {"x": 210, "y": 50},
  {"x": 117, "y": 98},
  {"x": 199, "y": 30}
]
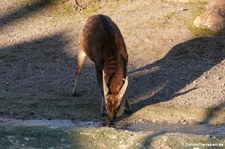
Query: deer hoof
[
  {"x": 103, "y": 114},
  {"x": 128, "y": 111}
]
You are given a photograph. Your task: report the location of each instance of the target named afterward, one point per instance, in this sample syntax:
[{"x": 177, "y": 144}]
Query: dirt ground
[{"x": 175, "y": 75}]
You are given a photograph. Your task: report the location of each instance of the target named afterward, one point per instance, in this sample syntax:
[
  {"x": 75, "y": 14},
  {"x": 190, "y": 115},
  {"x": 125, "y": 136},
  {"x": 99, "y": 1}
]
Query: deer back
[{"x": 102, "y": 41}]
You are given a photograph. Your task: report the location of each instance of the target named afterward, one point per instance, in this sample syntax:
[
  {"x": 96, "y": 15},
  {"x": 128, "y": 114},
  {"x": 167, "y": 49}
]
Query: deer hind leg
[
  {"x": 103, "y": 112},
  {"x": 126, "y": 104},
  {"x": 80, "y": 61}
]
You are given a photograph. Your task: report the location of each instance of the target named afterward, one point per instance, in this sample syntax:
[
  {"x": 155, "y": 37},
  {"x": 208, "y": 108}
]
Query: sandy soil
[{"x": 168, "y": 65}]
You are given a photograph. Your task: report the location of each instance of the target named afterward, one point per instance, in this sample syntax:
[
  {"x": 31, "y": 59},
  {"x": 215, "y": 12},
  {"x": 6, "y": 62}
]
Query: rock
[{"x": 213, "y": 18}]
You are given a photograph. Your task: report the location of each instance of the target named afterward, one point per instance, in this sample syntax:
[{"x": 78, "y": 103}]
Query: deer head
[{"x": 113, "y": 102}]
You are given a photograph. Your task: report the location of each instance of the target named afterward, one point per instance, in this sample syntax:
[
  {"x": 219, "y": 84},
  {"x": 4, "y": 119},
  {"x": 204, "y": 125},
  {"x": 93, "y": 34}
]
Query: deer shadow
[{"x": 162, "y": 80}]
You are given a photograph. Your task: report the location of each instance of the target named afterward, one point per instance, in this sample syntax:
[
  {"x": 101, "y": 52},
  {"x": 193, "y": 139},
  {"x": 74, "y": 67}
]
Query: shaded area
[
  {"x": 37, "y": 79},
  {"x": 162, "y": 80},
  {"x": 36, "y": 65},
  {"x": 24, "y": 12}
]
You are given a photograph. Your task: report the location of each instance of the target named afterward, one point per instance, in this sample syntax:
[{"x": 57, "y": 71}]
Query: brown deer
[{"x": 102, "y": 41}]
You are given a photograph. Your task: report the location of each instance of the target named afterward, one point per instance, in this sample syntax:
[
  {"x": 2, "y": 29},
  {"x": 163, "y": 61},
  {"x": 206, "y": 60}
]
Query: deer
[{"x": 102, "y": 41}]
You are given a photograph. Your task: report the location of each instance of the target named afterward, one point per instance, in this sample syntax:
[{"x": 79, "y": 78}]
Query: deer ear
[
  {"x": 105, "y": 87},
  {"x": 123, "y": 89}
]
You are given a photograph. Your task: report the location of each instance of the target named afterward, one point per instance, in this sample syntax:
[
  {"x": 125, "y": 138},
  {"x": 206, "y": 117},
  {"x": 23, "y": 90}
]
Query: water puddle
[
  {"x": 214, "y": 131},
  {"x": 48, "y": 123}
]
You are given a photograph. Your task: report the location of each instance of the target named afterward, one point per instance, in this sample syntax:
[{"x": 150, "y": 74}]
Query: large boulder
[{"x": 214, "y": 16}]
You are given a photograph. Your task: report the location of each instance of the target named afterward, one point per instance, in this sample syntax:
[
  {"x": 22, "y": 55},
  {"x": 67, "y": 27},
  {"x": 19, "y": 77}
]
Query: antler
[{"x": 123, "y": 89}]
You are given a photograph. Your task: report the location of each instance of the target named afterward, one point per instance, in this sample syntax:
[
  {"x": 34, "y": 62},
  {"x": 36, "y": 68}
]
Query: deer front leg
[{"x": 99, "y": 78}]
